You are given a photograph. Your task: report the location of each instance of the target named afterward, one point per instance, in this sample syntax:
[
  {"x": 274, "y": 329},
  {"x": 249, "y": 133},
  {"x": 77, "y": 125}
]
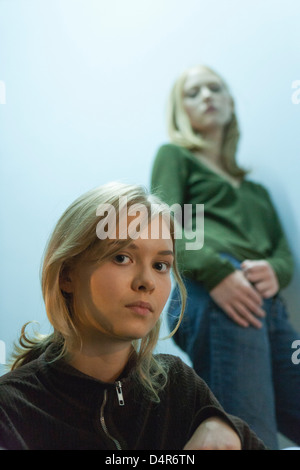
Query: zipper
[
  {"x": 103, "y": 423},
  {"x": 120, "y": 393}
]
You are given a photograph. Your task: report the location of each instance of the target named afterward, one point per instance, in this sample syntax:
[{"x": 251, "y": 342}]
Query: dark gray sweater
[{"x": 47, "y": 405}]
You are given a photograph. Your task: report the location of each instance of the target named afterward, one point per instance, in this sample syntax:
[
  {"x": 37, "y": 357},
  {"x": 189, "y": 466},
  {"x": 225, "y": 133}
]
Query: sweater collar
[{"x": 64, "y": 376}]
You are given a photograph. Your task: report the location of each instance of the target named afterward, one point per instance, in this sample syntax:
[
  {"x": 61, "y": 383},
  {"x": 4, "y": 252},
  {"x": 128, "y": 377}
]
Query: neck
[
  {"x": 214, "y": 137},
  {"x": 102, "y": 361}
]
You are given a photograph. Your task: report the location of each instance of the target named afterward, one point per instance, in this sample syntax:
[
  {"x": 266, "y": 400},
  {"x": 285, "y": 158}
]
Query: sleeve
[
  {"x": 281, "y": 259},
  {"x": 10, "y": 439},
  {"x": 205, "y": 405},
  {"x": 169, "y": 181},
  {"x": 169, "y": 175}
]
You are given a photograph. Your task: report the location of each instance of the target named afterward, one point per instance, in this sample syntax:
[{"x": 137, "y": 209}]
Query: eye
[
  {"x": 121, "y": 259},
  {"x": 215, "y": 87},
  {"x": 162, "y": 267},
  {"x": 192, "y": 93}
]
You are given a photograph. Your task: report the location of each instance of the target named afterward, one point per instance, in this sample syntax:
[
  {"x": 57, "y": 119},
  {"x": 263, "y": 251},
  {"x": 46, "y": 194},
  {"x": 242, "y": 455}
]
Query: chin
[{"x": 133, "y": 335}]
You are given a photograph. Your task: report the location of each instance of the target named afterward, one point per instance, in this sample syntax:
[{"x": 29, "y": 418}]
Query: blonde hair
[
  {"x": 73, "y": 239},
  {"x": 181, "y": 132}
]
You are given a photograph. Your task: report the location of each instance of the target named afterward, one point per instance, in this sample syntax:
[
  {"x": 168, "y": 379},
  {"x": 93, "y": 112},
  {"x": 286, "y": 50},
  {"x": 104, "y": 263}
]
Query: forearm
[
  {"x": 214, "y": 434},
  {"x": 204, "y": 265},
  {"x": 225, "y": 432},
  {"x": 283, "y": 266}
]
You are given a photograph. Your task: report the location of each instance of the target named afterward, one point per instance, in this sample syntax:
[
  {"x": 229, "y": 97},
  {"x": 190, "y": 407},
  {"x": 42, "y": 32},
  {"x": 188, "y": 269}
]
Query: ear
[{"x": 65, "y": 280}]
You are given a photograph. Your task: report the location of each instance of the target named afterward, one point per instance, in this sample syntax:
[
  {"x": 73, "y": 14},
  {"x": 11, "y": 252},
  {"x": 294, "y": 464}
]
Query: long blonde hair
[
  {"x": 181, "y": 132},
  {"x": 73, "y": 238}
]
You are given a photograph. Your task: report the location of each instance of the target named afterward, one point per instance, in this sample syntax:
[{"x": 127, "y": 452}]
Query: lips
[
  {"x": 210, "y": 109},
  {"x": 140, "y": 307}
]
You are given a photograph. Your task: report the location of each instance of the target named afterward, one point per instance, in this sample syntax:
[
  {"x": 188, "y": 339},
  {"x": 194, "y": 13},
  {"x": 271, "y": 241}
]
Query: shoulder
[
  {"x": 255, "y": 186},
  {"x": 260, "y": 191},
  {"x": 185, "y": 387},
  {"x": 170, "y": 147},
  {"x": 172, "y": 151},
  {"x": 19, "y": 381},
  {"x": 172, "y": 161},
  {"x": 21, "y": 373},
  {"x": 181, "y": 373}
]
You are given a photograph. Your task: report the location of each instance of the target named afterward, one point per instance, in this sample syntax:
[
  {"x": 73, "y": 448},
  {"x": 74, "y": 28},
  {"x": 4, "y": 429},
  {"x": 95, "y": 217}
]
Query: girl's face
[
  {"x": 123, "y": 298},
  {"x": 206, "y": 100}
]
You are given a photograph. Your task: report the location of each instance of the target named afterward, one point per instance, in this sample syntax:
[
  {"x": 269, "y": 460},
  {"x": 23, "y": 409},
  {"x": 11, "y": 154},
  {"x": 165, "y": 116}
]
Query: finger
[
  {"x": 247, "y": 315},
  {"x": 252, "y": 294},
  {"x": 268, "y": 294},
  {"x": 246, "y": 264},
  {"x": 255, "y": 276},
  {"x": 235, "y": 317},
  {"x": 255, "y": 267},
  {"x": 254, "y": 308},
  {"x": 252, "y": 266},
  {"x": 253, "y": 301},
  {"x": 262, "y": 286},
  {"x": 266, "y": 290},
  {"x": 253, "y": 263}
]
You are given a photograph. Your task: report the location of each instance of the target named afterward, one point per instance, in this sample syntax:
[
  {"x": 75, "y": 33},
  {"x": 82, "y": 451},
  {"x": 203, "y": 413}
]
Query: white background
[{"x": 86, "y": 84}]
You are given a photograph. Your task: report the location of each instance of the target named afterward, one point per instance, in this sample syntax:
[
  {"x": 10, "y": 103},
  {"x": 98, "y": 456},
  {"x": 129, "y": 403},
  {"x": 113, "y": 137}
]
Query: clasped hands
[{"x": 241, "y": 293}]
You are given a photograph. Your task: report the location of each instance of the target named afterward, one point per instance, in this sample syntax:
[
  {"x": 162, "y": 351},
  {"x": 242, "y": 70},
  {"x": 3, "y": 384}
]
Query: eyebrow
[
  {"x": 166, "y": 252},
  {"x": 198, "y": 84},
  {"x": 162, "y": 252}
]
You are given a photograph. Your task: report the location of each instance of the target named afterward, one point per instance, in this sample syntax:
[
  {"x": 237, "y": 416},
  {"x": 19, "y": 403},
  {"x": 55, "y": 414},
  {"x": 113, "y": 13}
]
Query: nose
[
  {"x": 205, "y": 92},
  {"x": 143, "y": 280}
]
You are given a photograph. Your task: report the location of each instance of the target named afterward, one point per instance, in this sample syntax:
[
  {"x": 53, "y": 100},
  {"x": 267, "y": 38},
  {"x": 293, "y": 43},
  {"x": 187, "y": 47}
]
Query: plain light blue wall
[{"x": 86, "y": 84}]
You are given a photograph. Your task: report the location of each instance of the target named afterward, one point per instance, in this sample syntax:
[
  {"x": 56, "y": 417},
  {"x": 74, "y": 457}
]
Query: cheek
[
  {"x": 164, "y": 292},
  {"x": 191, "y": 110},
  {"x": 226, "y": 107},
  {"x": 104, "y": 287}
]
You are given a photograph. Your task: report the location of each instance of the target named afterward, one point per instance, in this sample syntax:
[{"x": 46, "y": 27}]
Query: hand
[
  {"x": 214, "y": 434},
  {"x": 239, "y": 300},
  {"x": 261, "y": 274}
]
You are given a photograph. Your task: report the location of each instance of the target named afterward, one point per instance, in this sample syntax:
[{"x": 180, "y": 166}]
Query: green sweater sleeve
[
  {"x": 281, "y": 259},
  {"x": 170, "y": 181}
]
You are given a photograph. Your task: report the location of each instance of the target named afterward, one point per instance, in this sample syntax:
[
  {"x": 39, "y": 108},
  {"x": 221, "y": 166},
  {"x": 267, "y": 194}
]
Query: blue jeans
[{"x": 249, "y": 370}]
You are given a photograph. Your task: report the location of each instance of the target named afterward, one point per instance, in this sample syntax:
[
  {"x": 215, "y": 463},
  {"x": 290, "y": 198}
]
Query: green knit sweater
[{"x": 240, "y": 221}]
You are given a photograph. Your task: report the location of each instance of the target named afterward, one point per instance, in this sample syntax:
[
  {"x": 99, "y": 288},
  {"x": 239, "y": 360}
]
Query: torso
[{"x": 217, "y": 169}]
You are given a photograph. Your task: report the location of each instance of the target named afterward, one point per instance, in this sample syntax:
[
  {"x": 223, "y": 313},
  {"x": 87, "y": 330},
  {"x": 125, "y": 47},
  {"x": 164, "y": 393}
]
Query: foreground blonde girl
[{"x": 95, "y": 382}]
